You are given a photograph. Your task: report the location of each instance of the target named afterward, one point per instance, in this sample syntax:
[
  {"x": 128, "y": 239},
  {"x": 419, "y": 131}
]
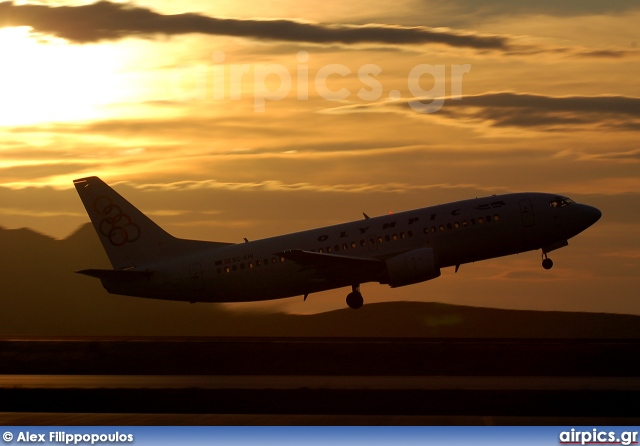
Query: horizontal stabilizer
[{"x": 116, "y": 275}]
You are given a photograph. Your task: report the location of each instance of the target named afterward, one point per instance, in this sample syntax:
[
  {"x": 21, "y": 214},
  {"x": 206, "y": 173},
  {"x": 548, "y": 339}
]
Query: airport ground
[{"x": 312, "y": 381}]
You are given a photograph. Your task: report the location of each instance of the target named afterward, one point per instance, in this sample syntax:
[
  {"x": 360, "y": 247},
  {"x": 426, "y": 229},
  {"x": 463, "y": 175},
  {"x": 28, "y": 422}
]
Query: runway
[
  {"x": 136, "y": 419},
  {"x": 271, "y": 382},
  {"x": 319, "y": 381}
]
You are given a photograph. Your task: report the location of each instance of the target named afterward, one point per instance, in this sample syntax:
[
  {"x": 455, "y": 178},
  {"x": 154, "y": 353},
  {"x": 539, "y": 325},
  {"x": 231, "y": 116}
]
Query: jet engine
[{"x": 412, "y": 267}]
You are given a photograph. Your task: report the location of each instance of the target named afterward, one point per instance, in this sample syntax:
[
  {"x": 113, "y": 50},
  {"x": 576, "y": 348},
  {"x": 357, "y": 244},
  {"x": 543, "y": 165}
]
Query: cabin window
[
  {"x": 480, "y": 221},
  {"x": 354, "y": 245},
  {"x": 464, "y": 223},
  {"x": 281, "y": 259},
  {"x": 328, "y": 248},
  {"x": 258, "y": 263},
  {"x": 442, "y": 228},
  {"x": 395, "y": 236},
  {"x": 426, "y": 230},
  {"x": 403, "y": 235},
  {"x": 456, "y": 225},
  {"x": 433, "y": 229},
  {"x": 273, "y": 260},
  {"x": 380, "y": 239},
  {"x": 363, "y": 243},
  {"x": 227, "y": 270},
  {"x": 496, "y": 217}
]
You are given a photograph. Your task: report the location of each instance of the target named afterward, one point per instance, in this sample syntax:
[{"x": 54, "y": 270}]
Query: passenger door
[{"x": 526, "y": 211}]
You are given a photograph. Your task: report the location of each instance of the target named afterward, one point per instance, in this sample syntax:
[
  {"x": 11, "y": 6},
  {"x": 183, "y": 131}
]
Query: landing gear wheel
[
  {"x": 355, "y": 300},
  {"x": 547, "y": 263}
]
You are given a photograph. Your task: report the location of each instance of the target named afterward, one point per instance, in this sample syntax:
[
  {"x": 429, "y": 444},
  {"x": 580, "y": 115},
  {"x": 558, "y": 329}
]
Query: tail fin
[{"x": 130, "y": 238}]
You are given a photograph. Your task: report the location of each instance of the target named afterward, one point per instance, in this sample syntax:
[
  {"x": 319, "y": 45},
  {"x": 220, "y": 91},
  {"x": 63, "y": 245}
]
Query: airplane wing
[
  {"x": 117, "y": 275},
  {"x": 319, "y": 260}
]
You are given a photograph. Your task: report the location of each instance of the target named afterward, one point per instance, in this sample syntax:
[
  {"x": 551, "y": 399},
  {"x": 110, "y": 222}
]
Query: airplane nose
[
  {"x": 594, "y": 214},
  {"x": 579, "y": 217},
  {"x": 590, "y": 215}
]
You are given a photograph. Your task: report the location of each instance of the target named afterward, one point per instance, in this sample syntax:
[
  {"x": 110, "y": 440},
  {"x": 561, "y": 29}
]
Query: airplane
[{"x": 399, "y": 249}]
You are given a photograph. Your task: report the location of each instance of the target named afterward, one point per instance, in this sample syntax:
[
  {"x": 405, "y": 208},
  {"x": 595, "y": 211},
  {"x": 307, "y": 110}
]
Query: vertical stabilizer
[{"x": 130, "y": 238}]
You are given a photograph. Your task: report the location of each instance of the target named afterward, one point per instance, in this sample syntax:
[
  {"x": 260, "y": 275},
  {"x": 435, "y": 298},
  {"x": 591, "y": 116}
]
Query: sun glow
[{"x": 45, "y": 80}]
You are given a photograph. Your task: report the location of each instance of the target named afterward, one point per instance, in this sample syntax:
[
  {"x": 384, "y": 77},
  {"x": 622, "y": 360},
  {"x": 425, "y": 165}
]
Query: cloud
[
  {"x": 38, "y": 213},
  {"x": 565, "y": 8},
  {"x": 523, "y": 110},
  {"x": 40, "y": 169},
  {"x": 629, "y": 254},
  {"x": 278, "y": 186},
  {"x": 530, "y": 50},
  {"x": 266, "y": 136},
  {"x": 508, "y": 109},
  {"x": 622, "y": 156},
  {"x": 107, "y": 21}
]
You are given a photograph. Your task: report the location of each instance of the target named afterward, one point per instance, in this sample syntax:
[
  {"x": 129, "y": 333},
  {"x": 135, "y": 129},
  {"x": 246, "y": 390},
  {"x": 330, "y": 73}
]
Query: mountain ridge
[{"x": 41, "y": 296}]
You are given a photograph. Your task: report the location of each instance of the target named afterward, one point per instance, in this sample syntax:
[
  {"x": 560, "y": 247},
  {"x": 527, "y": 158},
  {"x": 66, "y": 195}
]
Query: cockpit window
[{"x": 560, "y": 202}]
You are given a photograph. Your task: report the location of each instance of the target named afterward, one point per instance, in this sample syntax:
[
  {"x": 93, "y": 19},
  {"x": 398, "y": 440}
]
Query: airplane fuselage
[{"x": 363, "y": 251}]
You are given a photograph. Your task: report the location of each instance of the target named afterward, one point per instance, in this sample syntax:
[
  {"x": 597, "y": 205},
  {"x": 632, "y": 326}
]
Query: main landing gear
[
  {"x": 354, "y": 298},
  {"x": 547, "y": 263}
]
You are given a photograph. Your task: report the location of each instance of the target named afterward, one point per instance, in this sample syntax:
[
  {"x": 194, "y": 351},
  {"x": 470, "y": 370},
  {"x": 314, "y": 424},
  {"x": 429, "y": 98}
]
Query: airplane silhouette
[{"x": 399, "y": 249}]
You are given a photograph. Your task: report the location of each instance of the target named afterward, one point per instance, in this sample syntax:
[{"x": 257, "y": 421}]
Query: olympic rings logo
[{"x": 115, "y": 224}]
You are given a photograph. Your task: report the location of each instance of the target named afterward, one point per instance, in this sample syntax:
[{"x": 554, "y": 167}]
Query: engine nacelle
[{"x": 412, "y": 267}]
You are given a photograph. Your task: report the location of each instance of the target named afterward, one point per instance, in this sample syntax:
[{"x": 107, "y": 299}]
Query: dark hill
[{"x": 41, "y": 296}]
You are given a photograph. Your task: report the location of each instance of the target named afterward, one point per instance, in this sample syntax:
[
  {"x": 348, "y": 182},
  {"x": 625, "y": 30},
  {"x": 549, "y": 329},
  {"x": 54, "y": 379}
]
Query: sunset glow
[
  {"x": 49, "y": 80},
  {"x": 225, "y": 120}
]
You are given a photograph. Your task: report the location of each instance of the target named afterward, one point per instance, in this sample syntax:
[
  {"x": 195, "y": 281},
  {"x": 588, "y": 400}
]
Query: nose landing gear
[
  {"x": 547, "y": 263},
  {"x": 355, "y": 299}
]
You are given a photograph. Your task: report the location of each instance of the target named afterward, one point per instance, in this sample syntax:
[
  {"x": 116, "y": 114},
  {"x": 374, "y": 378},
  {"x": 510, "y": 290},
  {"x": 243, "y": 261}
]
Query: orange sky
[{"x": 235, "y": 119}]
